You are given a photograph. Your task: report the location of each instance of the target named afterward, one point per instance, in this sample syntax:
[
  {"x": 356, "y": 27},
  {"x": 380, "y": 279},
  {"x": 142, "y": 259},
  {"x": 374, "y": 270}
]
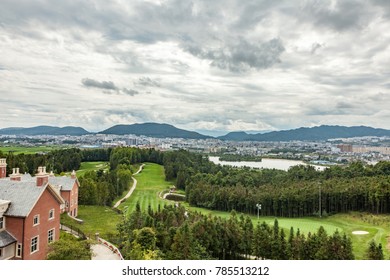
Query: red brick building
[
  {"x": 69, "y": 190},
  {"x": 30, "y": 209}
]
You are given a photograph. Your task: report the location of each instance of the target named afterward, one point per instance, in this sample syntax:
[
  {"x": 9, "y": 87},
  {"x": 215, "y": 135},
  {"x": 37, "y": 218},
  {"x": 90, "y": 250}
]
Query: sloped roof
[
  {"x": 6, "y": 239},
  {"x": 23, "y": 196},
  {"x": 66, "y": 183}
]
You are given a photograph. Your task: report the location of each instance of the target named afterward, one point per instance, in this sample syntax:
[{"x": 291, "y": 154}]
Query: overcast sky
[{"x": 199, "y": 65}]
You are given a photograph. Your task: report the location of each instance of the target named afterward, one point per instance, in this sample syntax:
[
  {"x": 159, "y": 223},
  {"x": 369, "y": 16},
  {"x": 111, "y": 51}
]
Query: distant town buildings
[
  {"x": 342, "y": 150},
  {"x": 345, "y": 148}
]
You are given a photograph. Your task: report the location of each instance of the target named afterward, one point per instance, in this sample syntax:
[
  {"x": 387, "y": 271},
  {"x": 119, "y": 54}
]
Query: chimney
[
  {"x": 42, "y": 176},
  {"x": 73, "y": 175},
  {"x": 3, "y": 168},
  {"x": 15, "y": 176}
]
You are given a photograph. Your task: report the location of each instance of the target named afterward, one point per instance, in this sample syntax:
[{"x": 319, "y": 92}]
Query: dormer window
[{"x": 2, "y": 223}]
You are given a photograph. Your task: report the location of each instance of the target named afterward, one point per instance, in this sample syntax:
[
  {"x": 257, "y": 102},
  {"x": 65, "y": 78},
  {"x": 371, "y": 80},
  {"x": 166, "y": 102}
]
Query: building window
[
  {"x": 2, "y": 222},
  {"x": 36, "y": 220},
  {"x": 19, "y": 250},
  {"x": 51, "y": 214},
  {"x": 50, "y": 236},
  {"x": 34, "y": 244},
  {"x": 1, "y": 252}
]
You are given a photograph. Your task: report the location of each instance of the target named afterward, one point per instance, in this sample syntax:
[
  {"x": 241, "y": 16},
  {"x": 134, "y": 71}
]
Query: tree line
[
  {"x": 297, "y": 192},
  {"x": 172, "y": 233},
  {"x": 58, "y": 161},
  {"x": 300, "y": 191}
]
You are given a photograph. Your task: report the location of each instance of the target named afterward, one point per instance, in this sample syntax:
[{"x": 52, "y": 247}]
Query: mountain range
[
  {"x": 323, "y": 132},
  {"x": 157, "y": 130},
  {"x": 44, "y": 130},
  {"x": 154, "y": 130}
]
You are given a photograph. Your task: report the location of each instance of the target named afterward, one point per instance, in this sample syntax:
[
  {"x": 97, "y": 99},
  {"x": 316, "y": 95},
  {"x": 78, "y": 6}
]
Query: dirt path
[{"x": 131, "y": 189}]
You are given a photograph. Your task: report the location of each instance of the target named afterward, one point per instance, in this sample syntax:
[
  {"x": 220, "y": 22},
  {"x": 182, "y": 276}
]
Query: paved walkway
[
  {"x": 131, "y": 189},
  {"x": 101, "y": 252}
]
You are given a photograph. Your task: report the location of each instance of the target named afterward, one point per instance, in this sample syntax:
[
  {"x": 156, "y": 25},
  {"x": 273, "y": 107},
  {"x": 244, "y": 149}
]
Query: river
[{"x": 281, "y": 164}]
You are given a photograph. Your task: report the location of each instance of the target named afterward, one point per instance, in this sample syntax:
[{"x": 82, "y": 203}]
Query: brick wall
[{"x": 45, "y": 203}]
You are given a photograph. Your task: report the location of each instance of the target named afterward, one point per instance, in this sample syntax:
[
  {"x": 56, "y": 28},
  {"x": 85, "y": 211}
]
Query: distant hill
[
  {"x": 235, "y": 136},
  {"x": 44, "y": 130},
  {"x": 154, "y": 130},
  {"x": 323, "y": 132},
  {"x": 157, "y": 130}
]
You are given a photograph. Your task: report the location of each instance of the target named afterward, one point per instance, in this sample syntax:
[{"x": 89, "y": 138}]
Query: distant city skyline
[{"x": 215, "y": 66}]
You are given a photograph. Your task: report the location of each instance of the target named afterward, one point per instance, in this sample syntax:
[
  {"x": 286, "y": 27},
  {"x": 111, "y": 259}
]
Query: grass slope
[
  {"x": 92, "y": 165},
  {"x": 150, "y": 183},
  {"x": 97, "y": 219}
]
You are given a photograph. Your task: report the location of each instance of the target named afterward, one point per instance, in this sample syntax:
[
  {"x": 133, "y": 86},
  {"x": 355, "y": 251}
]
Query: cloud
[
  {"x": 96, "y": 84},
  {"x": 315, "y": 47},
  {"x": 337, "y": 15},
  {"x": 130, "y": 92},
  {"x": 212, "y": 64},
  {"x": 108, "y": 87},
  {"x": 242, "y": 56},
  {"x": 147, "y": 82}
]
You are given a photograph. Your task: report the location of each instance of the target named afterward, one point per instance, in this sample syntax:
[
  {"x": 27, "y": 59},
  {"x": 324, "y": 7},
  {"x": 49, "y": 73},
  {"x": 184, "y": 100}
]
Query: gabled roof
[
  {"x": 23, "y": 196},
  {"x": 65, "y": 183},
  {"x": 6, "y": 239}
]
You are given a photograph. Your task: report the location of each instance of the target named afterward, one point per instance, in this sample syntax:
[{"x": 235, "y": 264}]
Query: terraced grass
[{"x": 150, "y": 183}]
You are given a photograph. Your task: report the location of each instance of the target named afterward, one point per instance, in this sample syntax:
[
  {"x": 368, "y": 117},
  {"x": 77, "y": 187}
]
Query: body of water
[{"x": 281, "y": 164}]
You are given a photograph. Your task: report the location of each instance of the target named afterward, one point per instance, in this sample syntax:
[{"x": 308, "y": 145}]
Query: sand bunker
[{"x": 359, "y": 232}]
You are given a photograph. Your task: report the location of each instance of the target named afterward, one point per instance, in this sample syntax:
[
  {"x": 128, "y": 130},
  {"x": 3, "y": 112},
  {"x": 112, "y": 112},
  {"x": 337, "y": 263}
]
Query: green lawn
[
  {"x": 150, "y": 183},
  {"x": 96, "y": 219},
  {"x": 92, "y": 165},
  {"x": 28, "y": 150},
  {"x": 377, "y": 226},
  {"x": 305, "y": 225}
]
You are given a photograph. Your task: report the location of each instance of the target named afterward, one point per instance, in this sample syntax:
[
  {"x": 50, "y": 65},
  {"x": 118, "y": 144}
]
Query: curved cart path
[{"x": 131, "y": 189}]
